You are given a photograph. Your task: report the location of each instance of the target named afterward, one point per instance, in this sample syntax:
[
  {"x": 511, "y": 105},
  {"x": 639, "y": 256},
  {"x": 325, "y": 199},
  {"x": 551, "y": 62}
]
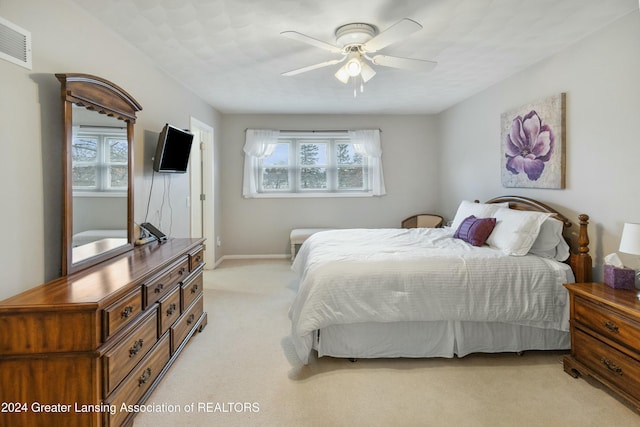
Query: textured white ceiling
[{"x": 231, "y": 53}]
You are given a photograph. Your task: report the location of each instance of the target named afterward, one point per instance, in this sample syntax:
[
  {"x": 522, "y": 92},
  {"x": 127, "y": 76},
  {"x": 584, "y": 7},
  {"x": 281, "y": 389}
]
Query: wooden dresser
[
  {"x": 605, "y": 337},
  {"x": 82, "y": 350}
]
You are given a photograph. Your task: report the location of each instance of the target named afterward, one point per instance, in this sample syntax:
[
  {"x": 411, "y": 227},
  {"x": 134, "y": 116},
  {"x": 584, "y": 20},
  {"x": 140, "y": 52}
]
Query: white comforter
[{"x": 420, "y": 274}]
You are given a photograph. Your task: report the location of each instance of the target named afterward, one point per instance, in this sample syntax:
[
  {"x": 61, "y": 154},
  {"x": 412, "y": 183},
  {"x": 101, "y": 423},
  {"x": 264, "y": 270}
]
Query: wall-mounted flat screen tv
[{"x": 173, "y": 149}]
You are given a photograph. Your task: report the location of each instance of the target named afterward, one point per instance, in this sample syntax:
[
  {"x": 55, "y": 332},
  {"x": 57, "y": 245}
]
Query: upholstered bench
[{"x": 299, "y": 235}]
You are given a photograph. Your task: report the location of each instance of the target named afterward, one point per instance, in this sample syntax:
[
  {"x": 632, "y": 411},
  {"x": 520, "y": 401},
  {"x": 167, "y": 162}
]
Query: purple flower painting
[
  {"x": 528, "y": 146},
  {"x": 533, "y": 144}
]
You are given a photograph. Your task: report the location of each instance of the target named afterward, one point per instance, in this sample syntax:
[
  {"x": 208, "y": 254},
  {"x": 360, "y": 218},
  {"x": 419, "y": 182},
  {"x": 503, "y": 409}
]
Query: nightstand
[{"x": 605, "y": 337}]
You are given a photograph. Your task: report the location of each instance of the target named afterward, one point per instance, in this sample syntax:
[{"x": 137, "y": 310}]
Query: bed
[
  {"x": 90, "y": 236},
  {"x": 436, "y": 292}
]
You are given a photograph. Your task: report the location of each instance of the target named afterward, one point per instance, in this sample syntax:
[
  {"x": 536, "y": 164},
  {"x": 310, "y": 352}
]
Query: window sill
[
  {"x": 306, "y": 195},
  {"x": 99, "y": 194}
]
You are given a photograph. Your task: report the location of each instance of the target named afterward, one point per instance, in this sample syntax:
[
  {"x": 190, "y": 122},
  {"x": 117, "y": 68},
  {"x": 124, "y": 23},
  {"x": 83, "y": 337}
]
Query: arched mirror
[{"x": 98, "y": 170}]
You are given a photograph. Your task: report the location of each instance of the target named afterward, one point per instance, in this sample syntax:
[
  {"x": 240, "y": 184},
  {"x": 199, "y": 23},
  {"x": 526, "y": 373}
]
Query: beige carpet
[{"x": 240, "y": 371}]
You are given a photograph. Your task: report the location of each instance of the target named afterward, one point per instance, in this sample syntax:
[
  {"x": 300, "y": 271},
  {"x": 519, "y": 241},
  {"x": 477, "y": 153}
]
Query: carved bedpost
[{"x": 581, "y": 262}]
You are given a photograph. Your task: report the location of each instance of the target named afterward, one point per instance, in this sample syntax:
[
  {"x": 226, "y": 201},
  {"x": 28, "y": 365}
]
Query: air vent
[{"x": 15, "y": 44}]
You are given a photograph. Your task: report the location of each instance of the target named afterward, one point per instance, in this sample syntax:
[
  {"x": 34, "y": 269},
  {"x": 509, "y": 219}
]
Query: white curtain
[
  {"x": 366, "y": 142},
  {"x": 259, "y": 143}
]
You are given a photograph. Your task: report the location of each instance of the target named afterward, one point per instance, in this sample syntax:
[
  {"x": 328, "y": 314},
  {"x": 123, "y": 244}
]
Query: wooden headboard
[{"x": 579, "y": 260}]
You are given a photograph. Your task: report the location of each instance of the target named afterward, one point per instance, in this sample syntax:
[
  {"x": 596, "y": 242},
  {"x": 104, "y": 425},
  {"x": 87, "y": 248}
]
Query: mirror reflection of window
[
  {"x": 99, "y": 159},
  {"x": 116, "y": 162}
]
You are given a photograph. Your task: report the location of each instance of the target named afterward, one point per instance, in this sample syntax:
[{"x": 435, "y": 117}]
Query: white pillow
[
  {"x": 479, "y": 210},
  {"x": 516, "y": 231},
  {"x": 563, "y": 251},
  {"x": 550, "y": 242}
]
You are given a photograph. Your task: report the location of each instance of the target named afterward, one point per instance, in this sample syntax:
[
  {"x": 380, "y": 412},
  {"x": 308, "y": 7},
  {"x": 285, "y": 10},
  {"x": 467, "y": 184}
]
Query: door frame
[{"x": 203, "y": 173}]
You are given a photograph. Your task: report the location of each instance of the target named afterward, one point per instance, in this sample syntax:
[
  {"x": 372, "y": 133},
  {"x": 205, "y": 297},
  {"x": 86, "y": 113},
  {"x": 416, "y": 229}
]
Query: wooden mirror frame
[{"x": 98, "y": 94}]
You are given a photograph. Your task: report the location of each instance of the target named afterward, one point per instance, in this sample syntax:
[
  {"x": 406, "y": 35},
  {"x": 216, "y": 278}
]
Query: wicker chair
[{"x": 423, "y": 221}]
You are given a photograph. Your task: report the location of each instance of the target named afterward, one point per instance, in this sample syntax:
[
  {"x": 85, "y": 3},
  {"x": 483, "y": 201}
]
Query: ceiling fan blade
[
  {"x": 313, "y": 67},
  {"x": 310, "y": 40},
  {"x": 395, "y": 33},
  {"x": 404, "y": 63}
]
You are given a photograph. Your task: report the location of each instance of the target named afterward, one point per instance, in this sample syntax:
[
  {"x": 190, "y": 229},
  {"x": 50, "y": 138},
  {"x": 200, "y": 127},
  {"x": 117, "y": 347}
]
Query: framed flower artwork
[{"x": 533, "y": 144}]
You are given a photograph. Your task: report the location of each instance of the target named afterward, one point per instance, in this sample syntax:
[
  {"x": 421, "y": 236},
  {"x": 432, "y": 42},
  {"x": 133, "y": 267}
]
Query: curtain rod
[{"x": 315, "y": 131}]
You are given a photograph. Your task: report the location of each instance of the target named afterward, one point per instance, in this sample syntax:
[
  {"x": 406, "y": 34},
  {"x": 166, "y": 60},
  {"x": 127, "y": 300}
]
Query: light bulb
[{"x": 353, "y": 67}]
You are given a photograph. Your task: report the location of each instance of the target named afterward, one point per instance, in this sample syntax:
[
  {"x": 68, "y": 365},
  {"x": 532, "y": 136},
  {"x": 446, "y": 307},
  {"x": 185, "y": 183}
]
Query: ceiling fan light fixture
[{"x": 354, "y": 42}]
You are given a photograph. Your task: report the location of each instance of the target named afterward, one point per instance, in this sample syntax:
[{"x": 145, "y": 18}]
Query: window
[
  {"x": 306, "y": 165},
  {"x": 100, "y": 161},
  {"x": 309, "y": 164}
]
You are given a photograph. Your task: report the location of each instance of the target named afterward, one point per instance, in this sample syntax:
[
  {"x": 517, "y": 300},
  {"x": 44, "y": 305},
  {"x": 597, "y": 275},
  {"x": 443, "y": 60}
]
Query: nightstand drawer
[
  {"x": 607, "y": 323},
  {"x": 611, "y": 365}
]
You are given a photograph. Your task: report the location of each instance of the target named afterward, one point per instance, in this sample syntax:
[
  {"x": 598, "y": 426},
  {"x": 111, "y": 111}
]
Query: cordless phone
[{"x": 154, "y": 231}]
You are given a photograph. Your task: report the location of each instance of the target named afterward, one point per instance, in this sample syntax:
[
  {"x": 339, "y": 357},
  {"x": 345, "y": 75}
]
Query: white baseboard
[{"x": 274, "y": 256}]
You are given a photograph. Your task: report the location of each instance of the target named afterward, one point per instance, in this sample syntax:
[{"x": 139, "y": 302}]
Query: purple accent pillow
[{"x": 474, "y": 230}]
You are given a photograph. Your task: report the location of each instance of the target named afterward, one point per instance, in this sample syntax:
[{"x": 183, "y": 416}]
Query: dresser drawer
[
  {"x": 608, "y": 323},
  {"x": 138, "y": 381},
  {"x": 196, "y": 258},
  {"x": 181, "y": 329},
  {"x": 119, "y": 360},
  {"x": 162, "y": 284},
  {"x": 121, "y": 313},
  {"x": 611, "y": 365},
  {"x": 169, "y": 310},
  {"x": 191, "y": 290}
]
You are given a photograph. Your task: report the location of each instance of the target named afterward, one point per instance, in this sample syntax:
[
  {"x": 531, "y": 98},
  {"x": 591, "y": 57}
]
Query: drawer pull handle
[
  {"x": 144, "y": 377},
  {"x": 128, "y": 311},
  {"x": 611, "y": 366},
  {"x": 158, "y": 288},
  {"x": 198, "y": 258},
  {"x": 135, "y": 349},
  {"x": 191, "y": 319},
  {"x": 194, "y": 289},
  {"x": 181, "y": 271},
  {"x": 612, "y": 327},
  {"x": 171, "y": 309}
]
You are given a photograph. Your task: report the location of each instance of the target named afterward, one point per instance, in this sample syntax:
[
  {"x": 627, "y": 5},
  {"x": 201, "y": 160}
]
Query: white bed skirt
[{"x": 434, "y": 339}]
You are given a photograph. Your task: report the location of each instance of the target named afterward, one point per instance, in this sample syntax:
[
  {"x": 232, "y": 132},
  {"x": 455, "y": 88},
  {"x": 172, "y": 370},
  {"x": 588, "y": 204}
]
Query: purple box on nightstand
[{"x": 619, "y": 278}]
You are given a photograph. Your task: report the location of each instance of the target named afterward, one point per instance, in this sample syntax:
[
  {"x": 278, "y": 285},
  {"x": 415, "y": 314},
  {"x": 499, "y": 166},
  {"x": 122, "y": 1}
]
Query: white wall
[
  {"x": 601, "y": 76},
  {"x": 262, "y": 226},
  {"x": 66, "y": 39}
]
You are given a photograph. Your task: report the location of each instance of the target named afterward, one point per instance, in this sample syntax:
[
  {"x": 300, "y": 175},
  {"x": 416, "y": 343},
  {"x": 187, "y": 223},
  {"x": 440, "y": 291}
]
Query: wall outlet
[{"x": 218, "y": 241}]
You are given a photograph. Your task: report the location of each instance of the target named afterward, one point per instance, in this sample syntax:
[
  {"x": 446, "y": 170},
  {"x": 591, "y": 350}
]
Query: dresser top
[{"x": 106, "y": 280}]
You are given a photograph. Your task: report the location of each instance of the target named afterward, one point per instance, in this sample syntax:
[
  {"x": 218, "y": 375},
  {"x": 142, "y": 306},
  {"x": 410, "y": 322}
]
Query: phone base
[{"x": 145, "y": 240}]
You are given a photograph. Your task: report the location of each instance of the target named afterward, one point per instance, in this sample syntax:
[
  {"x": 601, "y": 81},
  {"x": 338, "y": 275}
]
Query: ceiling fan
[{"x": 355, "y": 42}]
